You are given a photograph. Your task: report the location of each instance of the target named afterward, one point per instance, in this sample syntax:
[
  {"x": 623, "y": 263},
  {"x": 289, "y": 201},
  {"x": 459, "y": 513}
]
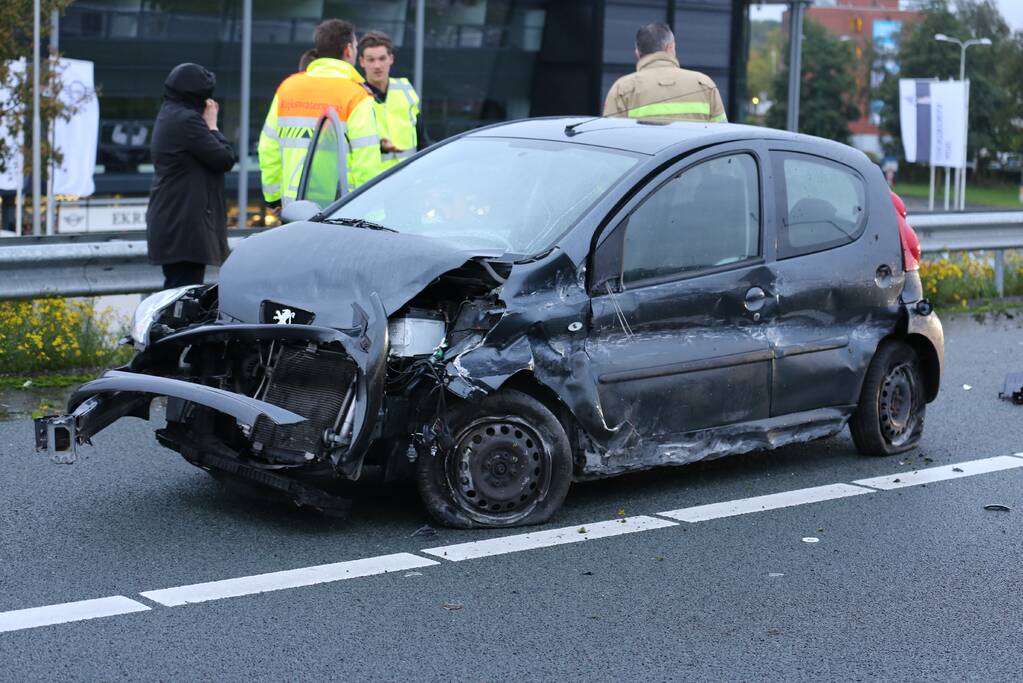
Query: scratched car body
[{"x": 537, "y": 303}]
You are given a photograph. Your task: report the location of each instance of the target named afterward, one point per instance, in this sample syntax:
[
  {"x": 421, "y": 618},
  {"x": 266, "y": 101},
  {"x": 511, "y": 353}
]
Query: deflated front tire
[{"x": 510, "y": 465}]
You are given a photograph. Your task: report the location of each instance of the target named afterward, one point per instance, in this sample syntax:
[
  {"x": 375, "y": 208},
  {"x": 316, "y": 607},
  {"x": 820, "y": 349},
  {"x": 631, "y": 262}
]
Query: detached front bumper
[{"x": 101, "y": 402}]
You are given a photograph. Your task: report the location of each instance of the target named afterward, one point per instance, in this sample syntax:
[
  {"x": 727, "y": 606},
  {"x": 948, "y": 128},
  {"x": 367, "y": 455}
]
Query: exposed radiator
[{"x": 311, "y": 384}]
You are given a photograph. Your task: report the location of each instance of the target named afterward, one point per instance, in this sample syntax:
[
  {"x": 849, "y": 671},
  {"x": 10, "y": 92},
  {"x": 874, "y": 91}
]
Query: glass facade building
[{"x": 484, "y": 60}]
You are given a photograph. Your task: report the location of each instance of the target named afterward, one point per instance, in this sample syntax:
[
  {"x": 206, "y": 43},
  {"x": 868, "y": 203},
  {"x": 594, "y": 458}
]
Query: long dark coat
[{"x": 187, "y": 215}]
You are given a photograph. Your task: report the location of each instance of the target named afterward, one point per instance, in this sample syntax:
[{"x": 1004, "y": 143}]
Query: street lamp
[{"x": 963, "y": 45}]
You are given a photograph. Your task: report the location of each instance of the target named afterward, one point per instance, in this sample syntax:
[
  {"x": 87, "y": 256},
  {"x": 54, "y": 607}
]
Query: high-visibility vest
[
  {"x": 300, "y": 101},
  {"x": 396, "y": 120}
]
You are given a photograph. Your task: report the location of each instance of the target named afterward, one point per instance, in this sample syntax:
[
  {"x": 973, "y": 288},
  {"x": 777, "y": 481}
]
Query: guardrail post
[{"x": 1000, "y": 272}]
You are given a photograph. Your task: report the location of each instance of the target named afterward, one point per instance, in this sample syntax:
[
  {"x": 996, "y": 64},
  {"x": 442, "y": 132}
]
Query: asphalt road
[{"x": 913, "y": 583}]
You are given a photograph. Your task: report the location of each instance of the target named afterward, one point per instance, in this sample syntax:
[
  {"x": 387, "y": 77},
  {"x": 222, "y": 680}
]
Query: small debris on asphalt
[
  {"x": 424, "y": 531},
  {"x": 621, "y": 512},
  {"x": 452, "y": 606},
  {"x": 587, "y": 573},
  {"x": 582, "y": 530},
  {"x": 811, "y": 539},
  {"x": 659, "y": 558},
  {"x": 998, "y": 507},
  {"x": 774, "y": 631},
  {"x": 413, "y": 574},
  {"x": 775, "y": 575},
  {"x": 1012, "y": 390},
  {"x": 966, "y": 387},
  {"x": 957, "y": 469}
]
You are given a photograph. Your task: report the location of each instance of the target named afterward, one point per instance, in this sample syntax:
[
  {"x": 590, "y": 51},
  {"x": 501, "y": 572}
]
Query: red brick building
[{"x": 867, "y": 23}]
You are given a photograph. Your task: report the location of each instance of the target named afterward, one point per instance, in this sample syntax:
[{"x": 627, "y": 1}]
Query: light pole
[{"x": 963, "y": 45}]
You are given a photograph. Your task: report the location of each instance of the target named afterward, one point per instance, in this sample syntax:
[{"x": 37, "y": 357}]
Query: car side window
[
  {"x": 707, "y": 216},
  {"x": 823, "y": 207}
]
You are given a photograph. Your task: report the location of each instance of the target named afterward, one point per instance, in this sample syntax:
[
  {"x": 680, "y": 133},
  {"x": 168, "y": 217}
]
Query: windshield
[{"x": 518, "y": 196}]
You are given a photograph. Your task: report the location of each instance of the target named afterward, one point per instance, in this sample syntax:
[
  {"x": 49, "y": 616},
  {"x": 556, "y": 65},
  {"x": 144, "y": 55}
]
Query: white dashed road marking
[
  {"x": 307, "y": 576},
  {"x": 69, "y": 611},
  {"x": 773, "y": 501},
  {"x": 292, "y": 578},
  {"x": 955, "y": 471},
  {"x": 546, "y": 539}
]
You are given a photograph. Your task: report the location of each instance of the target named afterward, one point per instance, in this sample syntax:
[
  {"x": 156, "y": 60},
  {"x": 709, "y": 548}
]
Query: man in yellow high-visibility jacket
[
  {"x": 395, "y": 100},
  {"x": 329, "y": 82},
  {"x": 660, "y": 90}
]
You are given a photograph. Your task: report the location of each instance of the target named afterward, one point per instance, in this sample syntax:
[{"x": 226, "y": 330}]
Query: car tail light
[{"x": 907, "y": 236}]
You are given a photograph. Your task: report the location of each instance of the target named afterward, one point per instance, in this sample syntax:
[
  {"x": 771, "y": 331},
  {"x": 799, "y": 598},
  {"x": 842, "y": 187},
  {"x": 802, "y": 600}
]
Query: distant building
[
  {"x": 485, "y": 60},
  {"x": 877, "y": 23}
]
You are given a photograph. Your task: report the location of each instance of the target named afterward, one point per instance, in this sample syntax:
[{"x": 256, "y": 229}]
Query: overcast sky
[{"x": 1012, "y": 10}]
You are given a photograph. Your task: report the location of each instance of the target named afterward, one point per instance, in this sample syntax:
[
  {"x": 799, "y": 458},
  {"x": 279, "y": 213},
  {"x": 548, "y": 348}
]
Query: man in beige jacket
[{"x": 660, "y": 90}]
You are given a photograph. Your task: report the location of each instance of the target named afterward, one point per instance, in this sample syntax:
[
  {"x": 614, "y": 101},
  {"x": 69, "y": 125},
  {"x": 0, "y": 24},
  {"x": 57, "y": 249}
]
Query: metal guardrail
[
  {"x": 85, "y": 265},
  {"x": 116, "y": 263}
]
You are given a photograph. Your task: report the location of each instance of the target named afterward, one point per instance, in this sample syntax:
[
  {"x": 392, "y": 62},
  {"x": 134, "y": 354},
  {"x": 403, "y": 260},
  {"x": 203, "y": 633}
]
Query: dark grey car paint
[{"x": 692, "y": 375}]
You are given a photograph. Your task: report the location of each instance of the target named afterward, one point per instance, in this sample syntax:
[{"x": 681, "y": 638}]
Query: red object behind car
[{"x": 910, "y": 242}]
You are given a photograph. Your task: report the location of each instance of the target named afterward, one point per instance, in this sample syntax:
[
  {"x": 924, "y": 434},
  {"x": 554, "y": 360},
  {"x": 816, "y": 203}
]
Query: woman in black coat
[{"x": 186, "y": 223}]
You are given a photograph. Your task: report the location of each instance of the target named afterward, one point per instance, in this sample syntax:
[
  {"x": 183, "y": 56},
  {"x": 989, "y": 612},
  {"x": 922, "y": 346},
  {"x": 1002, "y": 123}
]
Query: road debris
[
  {"x": 424, "y": 531},
  {"x": 957, "y": 469},
  {"x": 966, "y": 387},
  {"x": 811, "y": 539},
  {"x": 413, "y": 574},
  {"x": 587, "y": 573},
  {"x": 776, "y": 575},
  {"x": 452, "y": 606},
  {"x": 997, "y": 507},
  {"x": 582, "y": 530},
  {"x": 1012, "y": 390}
]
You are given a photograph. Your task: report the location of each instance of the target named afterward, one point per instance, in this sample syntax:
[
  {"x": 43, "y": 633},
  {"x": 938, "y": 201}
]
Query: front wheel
[
  {"x": 889, "y": 418},
  {"x": 511, "y": 465}
]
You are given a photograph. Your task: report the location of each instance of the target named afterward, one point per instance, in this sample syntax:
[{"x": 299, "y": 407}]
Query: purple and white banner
[{"x": 932, "y": 115}]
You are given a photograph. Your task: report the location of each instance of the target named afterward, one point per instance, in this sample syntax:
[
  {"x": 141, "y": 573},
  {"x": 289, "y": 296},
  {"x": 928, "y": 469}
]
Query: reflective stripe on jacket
[
  {"x": 298, "y": 104},
  {"x": 396, "y": 118},
  {"x": 661, "y": 90}
]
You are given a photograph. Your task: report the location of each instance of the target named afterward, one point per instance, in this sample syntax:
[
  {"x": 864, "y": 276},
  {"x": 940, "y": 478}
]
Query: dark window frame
[
  {"x": 616, "y": 240},
  {"x": 784, "y": 249}
]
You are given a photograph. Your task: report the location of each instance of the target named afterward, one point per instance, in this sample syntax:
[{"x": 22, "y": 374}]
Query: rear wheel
[
  {"x": 510, "y": 465},
  {"x": 890, "y": 416}
]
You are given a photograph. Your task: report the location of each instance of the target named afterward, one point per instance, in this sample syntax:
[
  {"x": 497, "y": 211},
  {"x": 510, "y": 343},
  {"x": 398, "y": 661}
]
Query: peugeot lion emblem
[{"x": 284, "y": 316}]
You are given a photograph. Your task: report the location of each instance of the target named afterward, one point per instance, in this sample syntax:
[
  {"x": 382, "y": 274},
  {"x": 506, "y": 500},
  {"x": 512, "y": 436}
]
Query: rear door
[
  {"x": 681, "y": 299},
  {"x": 837, "y": 279}
]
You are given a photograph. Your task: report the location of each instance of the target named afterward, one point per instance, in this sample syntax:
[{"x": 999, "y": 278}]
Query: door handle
[{"x": 755, "y": 299}]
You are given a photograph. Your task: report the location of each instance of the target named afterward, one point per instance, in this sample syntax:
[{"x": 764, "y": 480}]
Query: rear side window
[{"x": 824, "y": 204}]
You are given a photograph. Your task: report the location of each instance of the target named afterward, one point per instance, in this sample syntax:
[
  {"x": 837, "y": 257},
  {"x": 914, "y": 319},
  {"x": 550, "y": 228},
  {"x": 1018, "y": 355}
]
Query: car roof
[{"x": 634, "y": 135}]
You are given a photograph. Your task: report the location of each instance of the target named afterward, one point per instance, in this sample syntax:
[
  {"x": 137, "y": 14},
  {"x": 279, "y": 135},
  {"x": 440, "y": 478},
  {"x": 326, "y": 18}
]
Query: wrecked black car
[{"x": 542, "y": 302}]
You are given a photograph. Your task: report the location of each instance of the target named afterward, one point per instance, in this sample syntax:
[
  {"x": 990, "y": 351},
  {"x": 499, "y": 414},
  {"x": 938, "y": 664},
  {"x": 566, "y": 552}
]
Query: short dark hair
[
  {"x": 653, "y": 38},
  {"x": 332, "y": 36},
  {"x": 376, "y": 39}
]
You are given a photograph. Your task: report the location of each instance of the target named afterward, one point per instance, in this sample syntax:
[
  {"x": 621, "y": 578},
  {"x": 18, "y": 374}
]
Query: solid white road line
[
  {"x": 545, "y": 539},
  {"x": 926, "y": 476},
  {"x": 773, "y": 501},
  {"x": 292, "y": 578},
  {"x": 69, "y": 611}
]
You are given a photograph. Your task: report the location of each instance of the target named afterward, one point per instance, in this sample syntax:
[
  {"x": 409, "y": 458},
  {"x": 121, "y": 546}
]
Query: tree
[
  {"x": 16, "y": 111},
  {"x": 828, "y": 87},
  {"x": 921, "y": 56}
]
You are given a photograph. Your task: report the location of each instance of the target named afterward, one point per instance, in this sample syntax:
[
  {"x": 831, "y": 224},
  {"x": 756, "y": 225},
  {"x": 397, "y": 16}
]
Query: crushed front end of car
[{"x": 302, "y": 364}]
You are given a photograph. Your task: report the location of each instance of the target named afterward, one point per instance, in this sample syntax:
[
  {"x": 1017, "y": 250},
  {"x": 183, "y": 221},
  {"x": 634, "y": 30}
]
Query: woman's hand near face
[{"x": 209, "y": 114}]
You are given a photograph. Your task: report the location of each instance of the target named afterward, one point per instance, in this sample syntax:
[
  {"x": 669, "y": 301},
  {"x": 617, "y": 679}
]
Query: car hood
[{"x": 327, "y": 269}]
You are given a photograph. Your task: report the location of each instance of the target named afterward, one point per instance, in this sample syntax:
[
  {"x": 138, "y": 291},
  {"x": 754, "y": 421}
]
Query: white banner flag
[
  {"x": 948, "y": 125},
  {"x": 908, "y": 99},
  {"x": 13, "y": 175},
  {"x": 78, "y": 137}
]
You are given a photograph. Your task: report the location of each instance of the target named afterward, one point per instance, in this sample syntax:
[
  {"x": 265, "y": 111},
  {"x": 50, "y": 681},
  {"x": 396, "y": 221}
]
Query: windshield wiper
[{"x": 357, "y": 223}]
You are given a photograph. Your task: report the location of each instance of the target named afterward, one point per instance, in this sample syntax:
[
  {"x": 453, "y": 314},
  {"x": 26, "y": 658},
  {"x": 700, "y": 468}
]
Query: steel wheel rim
[
  {"x": 499, "y": 467},
  {"x": 897, "y": 404}
]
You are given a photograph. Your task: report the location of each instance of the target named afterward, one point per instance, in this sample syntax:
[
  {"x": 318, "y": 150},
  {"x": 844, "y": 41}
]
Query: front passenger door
[{"x": 681, "y": 346}]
